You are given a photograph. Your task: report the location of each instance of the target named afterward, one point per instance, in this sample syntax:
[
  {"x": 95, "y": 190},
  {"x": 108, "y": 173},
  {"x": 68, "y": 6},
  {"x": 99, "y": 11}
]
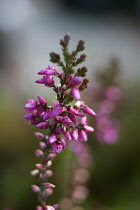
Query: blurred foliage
[{"x": 115, "y": 175}]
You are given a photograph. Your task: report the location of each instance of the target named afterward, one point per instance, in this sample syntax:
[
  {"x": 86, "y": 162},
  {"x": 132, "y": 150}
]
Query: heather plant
[
  {"x": 62, "y": 122},
  {"x": 105, "y": 93}
]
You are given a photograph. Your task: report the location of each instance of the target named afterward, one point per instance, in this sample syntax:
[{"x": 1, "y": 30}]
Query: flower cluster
[
  {"x": 107, "y": 128},
  {"x": 62, "y": 121},
  {"x": 78, "y": 191},
  {"x": 106, "y": 93}
]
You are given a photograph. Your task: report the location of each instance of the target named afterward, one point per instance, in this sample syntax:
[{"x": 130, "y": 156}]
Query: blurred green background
[{"x": 29, "y": 30}]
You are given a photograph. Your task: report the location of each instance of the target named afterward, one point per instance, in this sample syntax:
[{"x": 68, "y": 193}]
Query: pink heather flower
[
  {"x": 49, "y": 185},
  {"x": 80, "y": 114},
  {"x": 68, "y": 135},
  {"x": 42, "y": 125},
  {"x": 66, "y": 120},
  {"x": 39, "y": 135},
  {"x": 34, "y": 121},
  {"x": 56, "y": 111},
  {"x": 58, "y": 130},
  {"x": 76, "y": 93},
  {"x": 50, "y": 208},
  {"x": 55, "y": 206},
  {"x": 40, "y": 112},
  {"x": 39, "y": 208},
  {"x": 82, "y": 135},
  {"x": 52, "y": 156},
  {"x": 35, "y": 188},
  {"x": 88, "y": 128},
  {"x": 42, "y": 145},
  {"x": 52, "y": 139},
  {"x": 41, "y": 81},
  {"x": 49, "y": 173},
  {"x": 57, "y": 147},
  {"x": 47, "y": 115},
  {"x": 89, "y": 111},
  {"x": 74, "y": 134},
  {"x": 80, "y": 104},
  {"x": 73, "y": 111},
  {"x": 34, "y": 172},
  {"x": 83, "y": 120},
  {"x": 113, "y": 93},
  {"x": 31, "y": 105},
  {"x": 72, "y": 117},
  {"x": 75, "y": 81},
  {"x": 29, "y": 116},
  {"x": 39, "y": 166},
  {"x": 51, "y": 70},
  {"x": 55, "y": 103},
  {"x": 49, "y": 163},
  {"x": 41, "y": 100},
  {"x": 46, "y": 80},
  {"x": 38, "y": 153}
]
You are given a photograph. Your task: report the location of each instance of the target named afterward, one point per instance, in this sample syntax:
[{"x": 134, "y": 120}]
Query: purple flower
[
  {"x": 113, "y": 93},
  {"x": 51, "y": 70},
  {"x": 38, "y": 153},
  {"x": 52, "y": 139},
  {"x": 42, "y": 100},
  {"x": 39, "y": 135},
  {"x": 66, "y": 120},
  {"x": 75, "y": 81},
  {"x": 35, "y": 188},
  {"x": 58, "y": 130},
  {"x": 82, "y": 135},
  {"x": 47, "y": 115},
  {"x": 68, "y": 135},
  {"x": 29, "y": 116},
  {"x": 42, "y": 125},
  {"x": 74, "y": 134},
  {"x": 73, "y": 111},
  {"x": 31, "y": 105},
  {"x": 89, "y": 111},
  {"x": 72, "y": 117},
  {"x": 88, "y": 128},
  {"x": 46, "y": 80},
  {"x": 76, "y": 93},
  {"x": 56, "y": 111}
]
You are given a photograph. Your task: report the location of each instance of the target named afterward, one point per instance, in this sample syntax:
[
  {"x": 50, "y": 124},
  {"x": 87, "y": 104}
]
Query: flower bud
[
  {"x": 88, "y": 128},
  {"x": 39, "y": 208},
  {"x": 38, "y": 153},
  {"x": 50, "y": 208},
  {"x": 49, "y": 185},
  {"x": 39, "y": 135},
  {"x": 74, "y": 134},
  {"x": 52, "y": 139},
  {"x": 68, "y": 135},
  {"x": 82, "y": 135},
  {"x": 42, "y": 145},
  {"x": 35, "y": 188},
  {"x": 40, "y": 166},
  {"x": 49, "y": 163},
  {"x": 76, "y": 93},
  {"x": 31, "y": 105},
  {"x": 34, "y": 172},
  {"x": 89, "y": 111},
  {"x": 42, "y": 100},
  {"x": 49, "y": 173},
  {"x": 42, "y": 125},
  {"x": 49, "y": 191}
]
